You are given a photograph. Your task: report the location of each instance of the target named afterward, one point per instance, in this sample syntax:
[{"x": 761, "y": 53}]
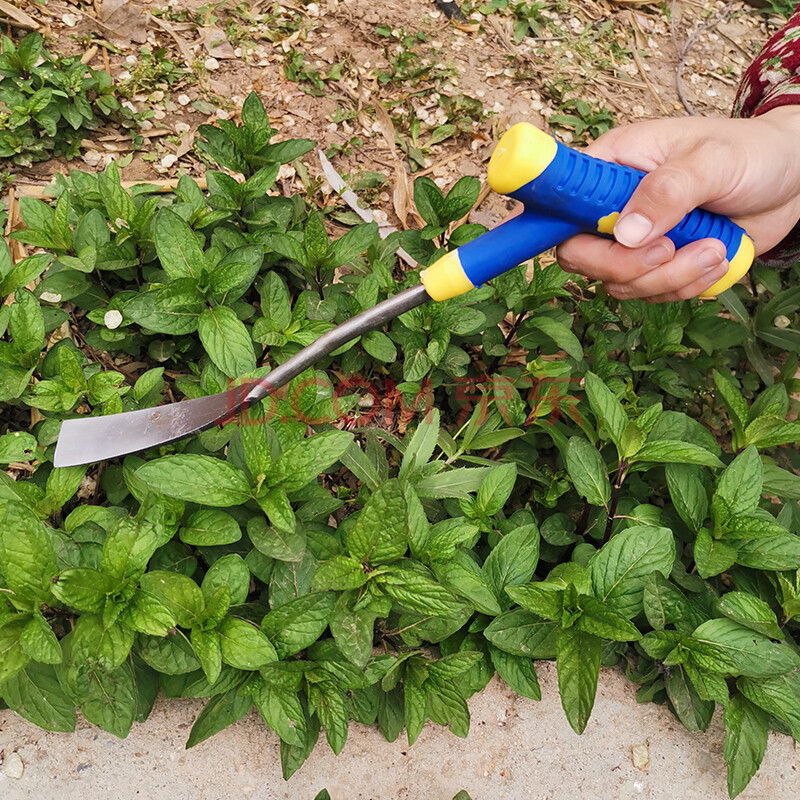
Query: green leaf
[
  {"x": 176, "y": 245},
  {"x": 209, "y": 527},
  {"x": 429, "y": 200},
  {"x": 230, "y": 572},
  {"x": 560, "y": 334},
  {"x": 226, "y": 341},
  {"x": 518, "y": 672},
  {"x": 607, "y": 409},
  {"x": 196, "y": 478},
  {"x": 722, "y": 645},
  {"x": 340, "y": 573},
  {"x": 244, "y": 646},
  {"x": 353, "y": 243},
  {"x": 588, "y": 472},
  {"x": 301, "y": 462},
  {"x": 496, "y": 488},
  {"x": 417, "y": 592},
  {"x": 179, "y": 593},
  {"x": 36, "y": 694},
  {"x": 750, "y": 611},
  {"x": 735, "y": 403},
  {"x": 746, "y": 729},
  {"x": 664, "y": 451},
  {"x": 17, "y": 446},
  {"x": 740, "y": 484},
  {"x": 620, "y": 569},
  {"x": 544, "y": 599},
  {"x": 522, "y": 633},
  {"x": 352, "y": 630},
  {"x": 712, "y": 556},
  {"x": 600, "y": 620},
  {"x": 281, "y": 710},
  {"x": 694, "y": 712},
  {"x": 416, "y": 709},
  {"x": 84, "y": 589},
  {"x": 464, "y": 577},
  {"x": 315, "y": 240},
  {"x": 297, "y": 624},
  {"x": 206, "y": 645},
  {"x": 110, "y": 700},
  {"x": 578, "y": 664},
  {"x": 39, "y": 641},
  {"x": 688, "y": 493},
  {"x": 780, "y": 552},
  {"x": 220, "y": 712},
  {"x": 380, "y": 534},
  {"x": 275, "y": 543},
  {"x": 778, "y": 696},
  {"x": 513, "y": 559},
  {"x": 170, "y": 655},
  {"x": 421, "y": 445},
  {"x": 27, "y": 559}
]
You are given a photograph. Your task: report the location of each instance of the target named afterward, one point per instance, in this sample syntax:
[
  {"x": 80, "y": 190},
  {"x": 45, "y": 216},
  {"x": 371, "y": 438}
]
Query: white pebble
[
  {"x": 169, "y": 160},
  {"x": 112, "y": 319},
  {"x": 184, "y": 99},
  {"x": 157, "y": 96},
  {"x": 223, "y": 114},
  {"x": 182, "y": 127},
  {"x": 50, "y": 297},
  {"x": 211, "y": 64},
  {"x": 159, "y": 113},
  {"x": 70, "y": 20},
  {"x": 14, "y": 766},
  {"x": 640, "y": 755},
  {"x": 91, "y": 157},
  {"x": 781, "y": 321}
]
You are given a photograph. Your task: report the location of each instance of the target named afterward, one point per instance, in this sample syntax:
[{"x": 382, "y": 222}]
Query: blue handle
[{"x": 565, "y": 192}]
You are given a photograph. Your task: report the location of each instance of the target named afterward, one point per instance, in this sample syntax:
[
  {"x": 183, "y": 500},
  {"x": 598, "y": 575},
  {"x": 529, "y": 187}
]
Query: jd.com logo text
[{"x": 378, "y": 403}]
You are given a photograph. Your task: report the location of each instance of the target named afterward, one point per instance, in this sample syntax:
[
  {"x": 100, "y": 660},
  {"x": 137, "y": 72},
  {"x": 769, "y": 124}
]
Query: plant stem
[
  {"x": 584, "y": 519},
  {"x": 507, "y": 340},
  {"x": 612, "y": 508}
]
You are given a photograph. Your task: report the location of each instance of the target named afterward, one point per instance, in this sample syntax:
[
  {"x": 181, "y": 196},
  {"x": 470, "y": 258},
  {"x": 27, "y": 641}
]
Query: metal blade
[{"x": 89, "y": 439}]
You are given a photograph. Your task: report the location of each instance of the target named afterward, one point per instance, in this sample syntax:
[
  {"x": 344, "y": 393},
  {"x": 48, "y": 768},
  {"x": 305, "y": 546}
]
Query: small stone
[
  {"x": 112, "y": 319},
  {"x": 640, "y": 755},
  {"x": 182, "y": 127},
  {"x": 50, "y": 297},
  {"x": 91, "y": 157},
  {"x": 13, "y": 765},
  {"x": 157, "y": 96},
  {"x": 781, "y": 321},
  {"x": 159, "y": 113},
  {"x": 184, "y": 99},
  {"x": 211, "y": 64},
  {"x": 70, "y": 20},
  {"x": 169, "y": 160}
]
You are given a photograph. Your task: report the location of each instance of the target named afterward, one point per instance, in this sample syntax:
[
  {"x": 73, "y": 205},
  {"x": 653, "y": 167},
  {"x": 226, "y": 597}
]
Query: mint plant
[
  {"x": 531, "y": 471},
  {"x": 49, "y": 103}
]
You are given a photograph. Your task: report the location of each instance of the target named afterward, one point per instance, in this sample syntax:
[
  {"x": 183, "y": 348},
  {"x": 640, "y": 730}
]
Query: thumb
[{"x": 663, "y": 198}]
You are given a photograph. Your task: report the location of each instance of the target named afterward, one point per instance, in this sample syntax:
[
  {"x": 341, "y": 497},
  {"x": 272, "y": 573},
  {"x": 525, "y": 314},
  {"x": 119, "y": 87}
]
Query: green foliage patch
[
  {"x": 531, "y": 471},
  {"x": 49, "y": 103}
]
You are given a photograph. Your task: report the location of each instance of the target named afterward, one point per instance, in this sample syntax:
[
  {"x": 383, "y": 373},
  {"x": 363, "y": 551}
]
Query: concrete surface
[{"x": 516, "y": 749}]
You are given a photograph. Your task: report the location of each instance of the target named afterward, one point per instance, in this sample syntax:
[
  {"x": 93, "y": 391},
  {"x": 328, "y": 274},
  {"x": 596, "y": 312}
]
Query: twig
[
  {"x": 163, "y": 186},
  {"x": 640, "y": 66},
  {"x": 683, "y": 52}
]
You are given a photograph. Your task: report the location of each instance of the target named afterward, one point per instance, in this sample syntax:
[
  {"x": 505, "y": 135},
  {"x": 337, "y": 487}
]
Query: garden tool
[{"x": 564, "y": 192}]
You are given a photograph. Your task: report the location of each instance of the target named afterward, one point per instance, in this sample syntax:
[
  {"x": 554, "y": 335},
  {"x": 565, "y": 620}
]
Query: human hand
[{"x": 747, "y": 169}]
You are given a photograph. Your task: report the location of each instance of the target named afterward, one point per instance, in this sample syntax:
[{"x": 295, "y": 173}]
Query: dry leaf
[
  {"x": 216, "y": 42},
  {"x": 18, "y": 16}
]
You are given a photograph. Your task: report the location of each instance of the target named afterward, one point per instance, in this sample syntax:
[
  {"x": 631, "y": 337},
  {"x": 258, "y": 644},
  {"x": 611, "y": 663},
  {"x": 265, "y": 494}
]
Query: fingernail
[
  {"x": 657, "y": 255},
  {"x": 708, "y": 259},
  {"x": 632, "y": 229}
]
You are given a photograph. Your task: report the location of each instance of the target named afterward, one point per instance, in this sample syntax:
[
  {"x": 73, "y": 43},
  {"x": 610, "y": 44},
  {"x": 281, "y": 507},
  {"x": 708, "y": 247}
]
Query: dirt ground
[
  {"x": 516, "y": 749},
  {"x": 229, "y": 51}
]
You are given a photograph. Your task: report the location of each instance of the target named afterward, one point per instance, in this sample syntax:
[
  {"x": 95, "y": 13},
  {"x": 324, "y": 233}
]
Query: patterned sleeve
[{"x": 773, "y": 80}]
